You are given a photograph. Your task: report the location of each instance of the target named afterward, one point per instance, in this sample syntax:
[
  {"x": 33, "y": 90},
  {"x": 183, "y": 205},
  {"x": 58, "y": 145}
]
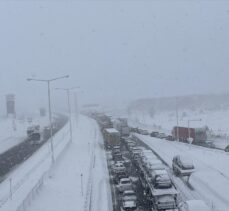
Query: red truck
[
  {"x": 183, "y": 133},
  {"x": 198, "y": 134}
]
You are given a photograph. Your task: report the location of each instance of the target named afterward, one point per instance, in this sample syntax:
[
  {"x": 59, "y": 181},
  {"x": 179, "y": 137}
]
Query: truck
[
  {"x": 104, "y": 121},
  {"x": 121, "y": 125},
  {"x": 111, "y": 137},
  {"x": 183, "y": 133},
  {"x": 157, "y": 183},
  {"x": 162, "y": 198},
  {"x": 33, "y": 133}
]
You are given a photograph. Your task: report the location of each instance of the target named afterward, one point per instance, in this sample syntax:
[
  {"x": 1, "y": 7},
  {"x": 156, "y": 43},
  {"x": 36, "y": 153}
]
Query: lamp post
[
  {"x": 177, "y": 117},
  {"x": 48, "y": 81},
  {"x": 191, "y": 120},
  {"x": 69, "y": 107}
]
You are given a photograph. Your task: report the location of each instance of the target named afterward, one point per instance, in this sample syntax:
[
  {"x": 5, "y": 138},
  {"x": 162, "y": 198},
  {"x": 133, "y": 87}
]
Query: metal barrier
[{"x": 35, "y": 189}]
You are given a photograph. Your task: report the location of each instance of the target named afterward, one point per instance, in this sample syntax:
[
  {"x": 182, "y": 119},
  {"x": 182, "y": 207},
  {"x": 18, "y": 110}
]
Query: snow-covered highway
[
  {"x": 84, "y": 156},
  {"x": 211, "y": 179},
  {"x": 13, "y": 132}
]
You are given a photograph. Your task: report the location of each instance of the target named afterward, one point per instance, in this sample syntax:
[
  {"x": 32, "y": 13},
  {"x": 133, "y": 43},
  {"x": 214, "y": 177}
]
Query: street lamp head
[{"x": 29, "y": 79}]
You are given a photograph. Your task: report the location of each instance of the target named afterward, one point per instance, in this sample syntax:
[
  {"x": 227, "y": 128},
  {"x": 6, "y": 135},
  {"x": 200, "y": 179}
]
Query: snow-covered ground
[
  {"x": 12, "y": 132},
  {"x": 211, "y": 179},
  {"x": 84, "y": 156},
  {"x": 23, "y": 181},
  {"x": 217, "y": 121}
]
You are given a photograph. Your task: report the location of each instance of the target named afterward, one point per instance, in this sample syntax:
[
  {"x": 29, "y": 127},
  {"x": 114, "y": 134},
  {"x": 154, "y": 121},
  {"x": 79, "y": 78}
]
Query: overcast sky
[{"x": 115, "y": 51}]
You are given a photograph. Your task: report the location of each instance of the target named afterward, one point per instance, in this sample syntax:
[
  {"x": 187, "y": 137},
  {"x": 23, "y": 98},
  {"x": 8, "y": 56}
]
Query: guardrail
[
  {"x": 88, "y": 197},
  {"x": 25, "y": 181}
]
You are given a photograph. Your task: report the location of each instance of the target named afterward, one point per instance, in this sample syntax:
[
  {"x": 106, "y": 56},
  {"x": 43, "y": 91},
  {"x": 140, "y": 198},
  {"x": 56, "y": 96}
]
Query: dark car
[
  {"x": 226, "y": 148},
  {"x": 169, "y": 138},
  {"x": 154, "y": 134}
]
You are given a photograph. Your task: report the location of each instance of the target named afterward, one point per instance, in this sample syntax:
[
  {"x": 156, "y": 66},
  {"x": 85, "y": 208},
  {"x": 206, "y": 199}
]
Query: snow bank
[
  {"x": 30, "y": 174},
  {"x": 65, "y": 190}
]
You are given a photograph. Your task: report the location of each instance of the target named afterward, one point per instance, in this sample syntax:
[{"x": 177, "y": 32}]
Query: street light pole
[
  {"x": 191, "y": 120},
  {"x": 69, "y": 107},
  {"x": 188, "y": 131},
  {"x": 177, "y": 120},
  {"x": 70, "y": 114},
  {"x": 50, "y": 109},
  {"x": 50, "y": 122}
]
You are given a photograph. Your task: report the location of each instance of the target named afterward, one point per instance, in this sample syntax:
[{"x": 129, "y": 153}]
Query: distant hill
[{"x": 190, "y": 102}]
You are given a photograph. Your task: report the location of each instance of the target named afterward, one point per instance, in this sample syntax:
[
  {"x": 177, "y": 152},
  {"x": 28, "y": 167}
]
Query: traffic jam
[{"x": 139, "y": 179}]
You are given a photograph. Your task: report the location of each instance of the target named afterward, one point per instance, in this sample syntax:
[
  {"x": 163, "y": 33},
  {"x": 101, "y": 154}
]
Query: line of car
[
  {"x": 124, "y": 184},
  {"x": 155, "y": 179},
  {"x": 155, "y": 134}
]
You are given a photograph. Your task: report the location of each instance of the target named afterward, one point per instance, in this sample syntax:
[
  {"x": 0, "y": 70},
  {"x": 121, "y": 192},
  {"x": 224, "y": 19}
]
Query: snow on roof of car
[
  {"x": 128, "y": 192},
  {"x": 111, "y": 130},
  {"x": 119, "y": 164},
  {"x": 124, "y": 179},
  {"x": 185, "y": 159},
  {"x": 162, "y": 192},
  {"x": 129, "y": 204},
  {"x": 160, "y": 171}
]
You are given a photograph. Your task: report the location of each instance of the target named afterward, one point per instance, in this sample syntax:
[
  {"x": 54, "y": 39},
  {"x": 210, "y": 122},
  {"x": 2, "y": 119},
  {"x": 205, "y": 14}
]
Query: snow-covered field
[
  {"x": 217, "y": 121},
  {"x": 84, "y": 156},
  {"x": 211, "y": 179},
  {"x": 13, "y": 132}
]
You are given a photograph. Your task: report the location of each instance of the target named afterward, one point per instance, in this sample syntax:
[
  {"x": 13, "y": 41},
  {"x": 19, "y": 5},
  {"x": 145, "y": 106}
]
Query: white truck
[{"x": 121, "y": 125}]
